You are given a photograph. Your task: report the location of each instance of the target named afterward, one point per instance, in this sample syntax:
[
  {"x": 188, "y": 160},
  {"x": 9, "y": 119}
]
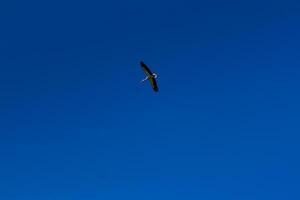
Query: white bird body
[{"x": 147, "y": 77}]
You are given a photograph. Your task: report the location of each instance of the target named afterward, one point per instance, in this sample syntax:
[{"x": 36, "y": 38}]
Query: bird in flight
[{"x": 149, "y": 76}]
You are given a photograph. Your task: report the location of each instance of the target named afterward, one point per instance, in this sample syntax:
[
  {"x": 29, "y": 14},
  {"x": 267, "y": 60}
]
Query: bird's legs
[{"x": 145, "y": 79}]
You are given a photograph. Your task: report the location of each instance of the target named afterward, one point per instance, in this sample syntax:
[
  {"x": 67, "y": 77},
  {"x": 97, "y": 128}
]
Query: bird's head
[{"x": 155, "y": 75}]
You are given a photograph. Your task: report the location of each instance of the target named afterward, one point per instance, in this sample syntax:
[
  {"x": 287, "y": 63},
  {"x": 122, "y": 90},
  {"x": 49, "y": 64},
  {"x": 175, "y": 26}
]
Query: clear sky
[{"x": 76, "y": 124}]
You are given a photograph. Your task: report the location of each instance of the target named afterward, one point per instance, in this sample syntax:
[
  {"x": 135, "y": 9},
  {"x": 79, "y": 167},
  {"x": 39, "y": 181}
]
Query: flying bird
[{"x": 149, "y": 76}]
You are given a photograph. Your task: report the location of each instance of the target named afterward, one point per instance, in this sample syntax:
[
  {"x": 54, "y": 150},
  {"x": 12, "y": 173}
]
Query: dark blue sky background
[{"x": 75, "y": 123}]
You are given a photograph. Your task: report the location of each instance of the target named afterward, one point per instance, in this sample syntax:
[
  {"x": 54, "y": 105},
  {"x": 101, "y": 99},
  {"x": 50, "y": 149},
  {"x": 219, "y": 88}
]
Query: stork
[{"x": 149, "y": 76}]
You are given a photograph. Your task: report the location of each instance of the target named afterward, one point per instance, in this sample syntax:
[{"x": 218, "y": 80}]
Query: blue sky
[{"x": 77, "y": 124}]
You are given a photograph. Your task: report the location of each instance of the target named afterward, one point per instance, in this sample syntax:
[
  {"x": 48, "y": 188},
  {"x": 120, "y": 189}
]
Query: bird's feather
[
  {"x": 153, "y": 84},
  {"x": 146, "y": 69}
]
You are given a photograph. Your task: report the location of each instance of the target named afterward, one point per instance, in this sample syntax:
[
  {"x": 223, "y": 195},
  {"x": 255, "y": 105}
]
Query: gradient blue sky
[{"x": 77, "y": 124}]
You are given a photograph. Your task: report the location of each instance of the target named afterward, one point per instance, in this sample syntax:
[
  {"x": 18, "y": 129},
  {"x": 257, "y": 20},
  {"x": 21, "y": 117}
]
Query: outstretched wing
[
  {"x": 153, "y": 84},
  {"x": 146, "y": 69}
]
